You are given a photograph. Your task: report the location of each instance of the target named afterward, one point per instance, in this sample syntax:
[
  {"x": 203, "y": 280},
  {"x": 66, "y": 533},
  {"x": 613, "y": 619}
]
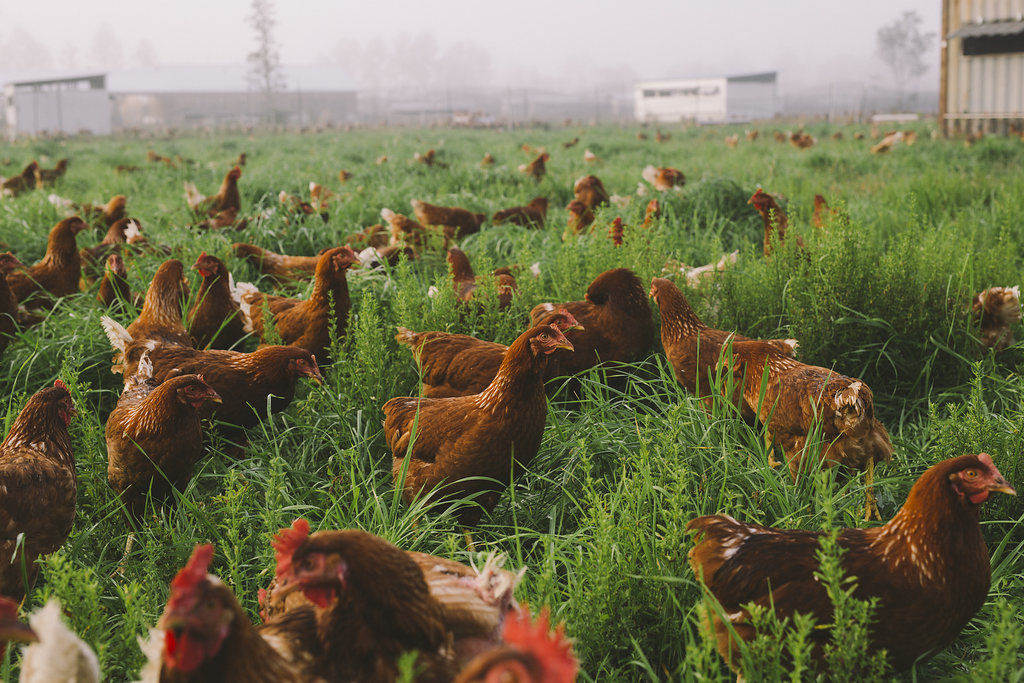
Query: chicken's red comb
[
  {"x": 189, "y": 576},
  {"x": 551, "y": 648},
  {"x": 286, "y": 542},
  {"x": 60, "y": 385}
]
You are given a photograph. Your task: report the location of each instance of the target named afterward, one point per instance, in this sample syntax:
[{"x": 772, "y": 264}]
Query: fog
[{"x": 570, "y": 45}]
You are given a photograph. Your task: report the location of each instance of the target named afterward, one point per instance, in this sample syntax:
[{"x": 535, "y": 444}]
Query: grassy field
[{"x": 599, "y": 519}]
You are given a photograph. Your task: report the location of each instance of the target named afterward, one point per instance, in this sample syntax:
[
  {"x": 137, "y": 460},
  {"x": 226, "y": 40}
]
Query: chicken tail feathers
[
  {"x": 192, "y": 196},
  {"x": 116, "y": 333},
  {"x": 243, "y": 294},
  {"x": 650, "y": 173},
  {"x": 407, "y": 337}
]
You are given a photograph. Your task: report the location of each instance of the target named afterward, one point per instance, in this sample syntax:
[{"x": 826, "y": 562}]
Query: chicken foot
[
  {"x": 871, "y": 505},
  {"x": 127, "y": 551}
]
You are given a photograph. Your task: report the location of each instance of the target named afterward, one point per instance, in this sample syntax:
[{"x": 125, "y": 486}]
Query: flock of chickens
[{"x": 476, "y": 422}]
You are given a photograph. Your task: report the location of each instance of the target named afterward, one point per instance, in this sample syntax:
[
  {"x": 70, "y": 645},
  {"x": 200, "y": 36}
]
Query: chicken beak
[
  {"x": 1002, "y": 486},
  {"x": 577, "y": 326}
]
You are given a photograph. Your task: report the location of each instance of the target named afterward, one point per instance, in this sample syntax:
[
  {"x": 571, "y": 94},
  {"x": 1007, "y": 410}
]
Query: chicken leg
[
  {"x": 871, "y": 506},
  {"x": 770, "y": 446}
]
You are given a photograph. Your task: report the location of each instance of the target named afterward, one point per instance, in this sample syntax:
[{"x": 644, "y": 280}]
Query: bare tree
[
  {"x": 901, "y": 46},
  {"x": 265, "y": 62}
]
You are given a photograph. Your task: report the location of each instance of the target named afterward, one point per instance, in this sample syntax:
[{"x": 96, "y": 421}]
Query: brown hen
[
  {"x": 227, "y": 196},
  {"x": 154, "y": 437},
  {"x": 48, "y": 176},
  {"x": 244, "y": 381},
  {"x": 214, "y": 321},
  {"x": 57, "y": 274},
  {"x": 996, "y": 310},
  {"x": 775, "y": 221},
  {"x": 39, "y": 487},
  {"x": 589, "y": 190},
  {"x": 695, "y": 350},
  {"x": 616, "y": 320},
  {"x": 536, "y": 168},
  {"x": 663, "y": 178},
  {"x": 160, "y": 318},
  {"x": 23, "y": 182},
  {"x": 385, "y": 601},
  {"x": 307, "y": 323},
  {"x": 466, "y": 282},
  {"x": 460, "y": 365},
  {"x": 204, "y": 635},
  {"x": 439, "y": 442},
  {"x": 279, "y": 267},
  {"x": 114, "y": 288},
  {"x": 928, "y": 567},
  {"x": 531, "y": 216},
  {"x": 461, "y": 222},
  {"x": 790, "y": 398}
]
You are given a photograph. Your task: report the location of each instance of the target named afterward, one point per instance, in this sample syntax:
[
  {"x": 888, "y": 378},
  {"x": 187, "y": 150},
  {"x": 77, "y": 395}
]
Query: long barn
[{"x": 982, "y": 71}]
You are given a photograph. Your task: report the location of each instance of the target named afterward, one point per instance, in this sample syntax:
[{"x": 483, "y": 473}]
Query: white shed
[
  {"x": 719, "y": 99},
  {"x": 64, "y": 104}
]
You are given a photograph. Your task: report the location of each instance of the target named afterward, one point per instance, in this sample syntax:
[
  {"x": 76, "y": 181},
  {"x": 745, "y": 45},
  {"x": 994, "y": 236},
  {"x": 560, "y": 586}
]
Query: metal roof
[
  {"x": 995, "y": 28},
  {"x": 762, "y": 77},
  {"x": 49, "y": 77}
]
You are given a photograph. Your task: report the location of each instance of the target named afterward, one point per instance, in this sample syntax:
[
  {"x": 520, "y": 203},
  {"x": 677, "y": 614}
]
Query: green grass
[{"x": 599, "y": 519}]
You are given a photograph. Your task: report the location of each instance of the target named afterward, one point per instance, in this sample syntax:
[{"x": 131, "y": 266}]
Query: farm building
[
  {"x": 72, "y": 104},
  {"x": 982, "y": 71},
  {"x": 720, "y": 99},
  {"x": 174, "y": 97},
  {"x": 200, "y": 95}
]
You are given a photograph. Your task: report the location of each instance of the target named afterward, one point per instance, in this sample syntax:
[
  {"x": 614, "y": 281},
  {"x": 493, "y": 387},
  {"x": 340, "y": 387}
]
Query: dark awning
[{"x": 996, "y": 28}]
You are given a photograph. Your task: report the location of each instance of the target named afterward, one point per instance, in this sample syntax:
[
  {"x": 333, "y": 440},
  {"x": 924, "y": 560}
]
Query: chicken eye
[{"x": 970, "y": 474}]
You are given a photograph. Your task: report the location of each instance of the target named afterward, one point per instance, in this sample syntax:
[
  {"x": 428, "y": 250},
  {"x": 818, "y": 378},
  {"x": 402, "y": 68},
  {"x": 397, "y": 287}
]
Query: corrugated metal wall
[{"x": 986, "y": 91}]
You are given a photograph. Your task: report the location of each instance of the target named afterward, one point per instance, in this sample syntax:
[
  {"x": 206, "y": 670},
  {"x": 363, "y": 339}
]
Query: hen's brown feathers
[
  {"x": 226, "y": 199},
  {"x": 38, "y": 486},
  {"x": 928, "y": 566},
  {"x": 789, "y": 397},
  {"x": 616, "y": 320},
  {"x": 479, "y": 435},
  {"x": 375, "y": 604},
  {"x": 57, "y": 274},
  {"x": 154, "y": 437},
  {"x": 160, "y": 318},
  {"x": 460, "y": 365},
  {"x": 309, "y": 323},
  {"x": 244, "y": 381},
  {"x": 695, "y": 350},
  {"x": 280, "y": 267},
  {"x": 463, "y": 222},
  {"x": 214, "y": 320},
  {"x": 531, "y": 215}
]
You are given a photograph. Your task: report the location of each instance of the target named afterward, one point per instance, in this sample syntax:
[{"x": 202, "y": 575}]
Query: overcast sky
[{"x": 550, "y": 42}]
